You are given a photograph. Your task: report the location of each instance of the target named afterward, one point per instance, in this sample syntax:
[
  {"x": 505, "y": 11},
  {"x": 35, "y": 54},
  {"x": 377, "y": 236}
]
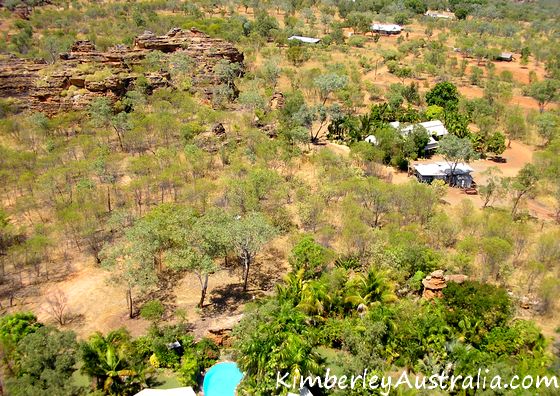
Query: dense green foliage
[
  {"x": 358, "y": 323},
  {"x": 159, "y": 185}
]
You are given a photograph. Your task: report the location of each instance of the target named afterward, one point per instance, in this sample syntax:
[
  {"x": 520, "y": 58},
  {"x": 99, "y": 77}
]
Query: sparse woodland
[{"x": 259, "y": 196}]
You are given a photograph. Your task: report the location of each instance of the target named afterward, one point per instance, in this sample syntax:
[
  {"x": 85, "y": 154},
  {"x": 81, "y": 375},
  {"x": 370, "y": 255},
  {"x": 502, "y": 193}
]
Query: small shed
[
  {"x": 505, "y": 57},
  {"x": 303, "y": 39},
  {"x": 386, "y": 28},
  {"x": 427, "y": 173}
]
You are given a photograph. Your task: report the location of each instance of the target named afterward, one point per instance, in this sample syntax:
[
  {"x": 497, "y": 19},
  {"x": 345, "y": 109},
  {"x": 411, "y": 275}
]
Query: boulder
[
  {"x": 219, "y": 129},
  {"x": 437, "y": 281},
  {"x": 277, "y": 101}
]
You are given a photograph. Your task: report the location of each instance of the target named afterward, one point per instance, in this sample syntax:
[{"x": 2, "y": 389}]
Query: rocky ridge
[{"x": 84, "y": 73}]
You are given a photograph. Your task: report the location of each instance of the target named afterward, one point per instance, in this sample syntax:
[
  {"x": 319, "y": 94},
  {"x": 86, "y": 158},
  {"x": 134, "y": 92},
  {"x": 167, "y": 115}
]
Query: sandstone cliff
[{"x": 84, "y": 73}]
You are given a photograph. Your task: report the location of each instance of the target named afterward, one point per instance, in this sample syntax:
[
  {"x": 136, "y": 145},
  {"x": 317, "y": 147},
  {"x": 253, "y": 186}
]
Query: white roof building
[
  {"x": 386, "y": 28},
  {"x": 435, "y": 14},
  {"x": 434, "y": 128},
  {"x": 441, "y": 169},
  {"x": 303, "y": 39}
]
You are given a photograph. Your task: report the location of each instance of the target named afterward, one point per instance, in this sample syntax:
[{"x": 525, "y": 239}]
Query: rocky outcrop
[
  {"x": 84, "y": 73},
  {"x": 277, "y": 101},
  {"x": 23, "y": 9},
  {"x": 437, "y": 281}
]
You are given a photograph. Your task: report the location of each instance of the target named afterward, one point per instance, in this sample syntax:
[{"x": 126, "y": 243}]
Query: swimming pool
[{"x": 222, "y": 379}]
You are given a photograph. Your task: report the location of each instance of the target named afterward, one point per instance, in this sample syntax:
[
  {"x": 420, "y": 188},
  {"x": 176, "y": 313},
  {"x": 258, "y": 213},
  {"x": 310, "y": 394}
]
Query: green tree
[
  {"x": 522, "y": 185},
  {"x": 477, "y": 302},
  {"x": 544, "y": 92},
  {"x": 495, "y": 252},
  {"x": 14, "y": 328},
  {"x": 456, "y": 123},
  {"x": 46, "y": 359},
  {"x": 369, "y": 289},
  {"x": 329, "y": 83},
  {"x": 309, "y": 256},
  {"x": 274, "y": 338},
  {"x": 110, "y": 361},
  {"x": 548, "y": 126},
  {"x": 496, "y": 143},
  {"x": 455, "y": 150},
  {"x": 249, "y": 234},
  {"x": 515, "y": 125},
  {"x": 297, "y": 54},
  {"x": 493, "y": 187},
  {"x": 443, "y": 94},
  {"x": 138, "y": 259}
]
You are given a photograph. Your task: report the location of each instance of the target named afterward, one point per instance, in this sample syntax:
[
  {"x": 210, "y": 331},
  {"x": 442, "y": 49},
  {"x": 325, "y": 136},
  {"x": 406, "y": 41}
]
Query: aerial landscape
[{"x": 279, "y": 197}]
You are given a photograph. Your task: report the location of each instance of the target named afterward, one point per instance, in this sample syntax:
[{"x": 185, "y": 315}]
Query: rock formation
[
  {"x": 84, "y": 73},
  {"x": 23, "y": 9},
  {"x": 437, "y": 281}
]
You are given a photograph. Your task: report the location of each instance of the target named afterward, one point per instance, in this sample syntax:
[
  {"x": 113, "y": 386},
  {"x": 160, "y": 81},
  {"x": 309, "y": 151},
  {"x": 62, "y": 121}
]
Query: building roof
[
  {"x": 434, "y": 127},
  {"x": 186, "y": 391},
  {"x": 386, "y": 27},
  {"x": 441, "y": 169},
  {"x": 440, "y": 14},
  {"x": 505, "y": 55},
  {"x": 303, "y": 39}
]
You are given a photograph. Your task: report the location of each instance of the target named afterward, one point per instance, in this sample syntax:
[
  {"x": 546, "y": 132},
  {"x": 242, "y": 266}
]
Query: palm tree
[
  {"x": 110, "y": 363},
  {"x": 370, "y": 289},
  {"x": 315, "y": 300}
]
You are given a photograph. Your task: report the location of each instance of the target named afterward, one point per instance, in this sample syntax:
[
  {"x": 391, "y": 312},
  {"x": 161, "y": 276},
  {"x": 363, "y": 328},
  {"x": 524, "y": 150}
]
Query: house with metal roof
[
  {"x": 436, "y": 130},
  {"x": 440, "y": 14},
  {"x": 459, "y": 177},
  {"x": 386, "y": 28},
  {"x": 303, "y": 39},
  {"x": 505, "y": 57}
]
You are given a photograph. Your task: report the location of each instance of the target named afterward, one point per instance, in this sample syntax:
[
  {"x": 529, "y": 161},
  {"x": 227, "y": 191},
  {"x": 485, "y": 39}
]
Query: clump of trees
[
  {"x": 39, "y": 359},
  {"x": 349, "y": 319}
]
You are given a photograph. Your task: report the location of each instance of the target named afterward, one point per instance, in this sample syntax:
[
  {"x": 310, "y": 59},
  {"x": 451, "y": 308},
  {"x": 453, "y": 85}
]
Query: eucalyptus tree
[
  {"x": 455, "y": 150},
  {"x": 522, "y": 185},
  {"x": 544, "y": 92},
  {"x": 198, "y": 248},
  {"x": 138, "y": 259},
  {"x": 249, "y": 235}
]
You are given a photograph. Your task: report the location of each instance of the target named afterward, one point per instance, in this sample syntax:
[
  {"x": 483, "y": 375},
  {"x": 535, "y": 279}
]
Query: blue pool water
[{"x": 222, "y": 379}]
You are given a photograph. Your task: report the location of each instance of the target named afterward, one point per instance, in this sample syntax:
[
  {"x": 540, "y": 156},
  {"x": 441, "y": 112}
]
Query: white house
[
  {"x": 440, "y": 15},
  {"x": 303, "y": 39},
  {"x": 386, "y": 28},
  {"x": 427, "y": 173},
  {"x": 436, "y": 130}
]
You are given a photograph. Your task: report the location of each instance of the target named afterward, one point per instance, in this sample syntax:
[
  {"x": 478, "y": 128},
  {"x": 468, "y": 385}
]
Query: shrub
[
  {"x": 477, "y": 301},
  {"x": 189, "y": 370},
  {"x": 152, "y": 311},
  {"x": 357, "y": 41}
]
